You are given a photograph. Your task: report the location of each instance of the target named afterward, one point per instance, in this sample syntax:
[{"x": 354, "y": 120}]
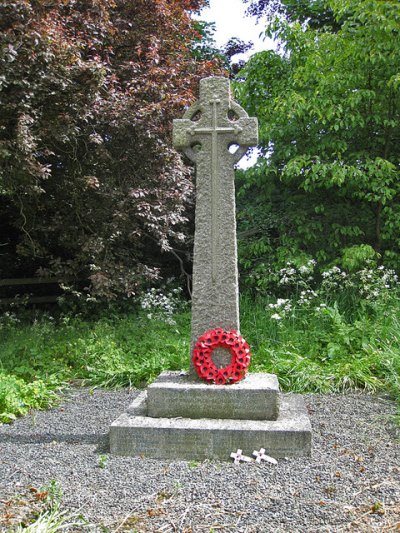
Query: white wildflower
[{"x": 281, "y": 301}]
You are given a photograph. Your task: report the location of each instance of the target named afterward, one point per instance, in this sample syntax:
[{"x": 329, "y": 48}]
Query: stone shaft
[{"x": 215, "y": 133}]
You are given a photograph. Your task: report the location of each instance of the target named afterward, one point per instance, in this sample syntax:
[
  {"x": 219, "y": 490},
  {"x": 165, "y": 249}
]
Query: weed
[
  {"x": 41, "y": 511},
  {"x": 103, "y": 459},
  {"x": 378, "y": 508},
  {"x": 17, "y": 397},
  {"x": 53, "y": 493},
  {"x": 53, "y": 521}
]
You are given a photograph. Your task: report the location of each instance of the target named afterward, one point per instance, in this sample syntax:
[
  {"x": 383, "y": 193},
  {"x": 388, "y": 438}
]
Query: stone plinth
[
  {"x": 177, "y": 437},
  {"x": 254, "y": 398}
]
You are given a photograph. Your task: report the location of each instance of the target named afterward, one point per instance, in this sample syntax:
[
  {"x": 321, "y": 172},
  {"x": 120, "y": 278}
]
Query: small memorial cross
[
  {"x": 215, "y": 133},
  {"x": 260, "y": 456},
  {"x": 238, "y": 456}
]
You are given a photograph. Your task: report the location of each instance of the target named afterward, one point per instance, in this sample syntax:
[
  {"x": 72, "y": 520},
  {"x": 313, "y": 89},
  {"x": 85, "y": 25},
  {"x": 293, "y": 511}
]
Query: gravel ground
[{"x": 351, "y": 482}]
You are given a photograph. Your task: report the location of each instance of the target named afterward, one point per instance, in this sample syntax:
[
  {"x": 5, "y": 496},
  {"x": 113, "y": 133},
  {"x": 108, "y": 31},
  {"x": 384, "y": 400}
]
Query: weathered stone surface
[
  {"x": 254, "y": 398},
  {"x": 209, "y": 128},
  {"x": 199, "y": 439}
]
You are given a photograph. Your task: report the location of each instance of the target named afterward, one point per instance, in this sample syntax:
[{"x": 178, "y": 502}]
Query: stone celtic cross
[{"x": 215, "y": 133}]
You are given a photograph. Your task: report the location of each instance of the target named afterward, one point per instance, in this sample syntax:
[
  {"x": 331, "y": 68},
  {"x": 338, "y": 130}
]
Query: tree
[
  {"x": 89, "y": 184},
  {"x": 329, "y": 131},
  {"x": 317, "y": 13}
]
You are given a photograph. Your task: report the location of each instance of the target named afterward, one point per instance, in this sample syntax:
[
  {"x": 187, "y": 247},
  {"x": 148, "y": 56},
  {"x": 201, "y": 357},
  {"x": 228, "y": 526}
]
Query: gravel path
[{"x": 351, "y": 482}]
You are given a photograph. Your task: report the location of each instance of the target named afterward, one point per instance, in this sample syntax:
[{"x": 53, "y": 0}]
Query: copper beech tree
[{"x": 90, "y": 187}]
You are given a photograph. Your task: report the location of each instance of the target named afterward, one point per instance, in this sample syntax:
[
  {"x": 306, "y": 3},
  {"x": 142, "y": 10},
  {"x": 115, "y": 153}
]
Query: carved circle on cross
[
  {"x": 220, "y": 338},
  {"x": 233, "y": 114}
]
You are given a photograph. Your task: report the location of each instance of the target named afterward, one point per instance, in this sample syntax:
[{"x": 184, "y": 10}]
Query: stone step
[
  {"x": 256, "y": 397},
  {"x": 135, "y": 434}
]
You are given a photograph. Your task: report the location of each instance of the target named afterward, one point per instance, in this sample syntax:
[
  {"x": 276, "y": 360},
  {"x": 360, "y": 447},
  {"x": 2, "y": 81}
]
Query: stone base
[
  {"x": 135, "y": 433},
  {"x": 172, "y": 395}
]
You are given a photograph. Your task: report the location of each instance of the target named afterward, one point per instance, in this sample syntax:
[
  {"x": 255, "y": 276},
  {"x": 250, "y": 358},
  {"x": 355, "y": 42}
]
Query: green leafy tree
[
  {"x": 89, "y": 184},
  {"x": 329, "y": 112},
  {"x": 317, "y": 13}
]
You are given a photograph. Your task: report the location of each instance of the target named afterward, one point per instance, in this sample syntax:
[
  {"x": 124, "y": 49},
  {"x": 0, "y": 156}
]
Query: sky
[{"x": 231, "y": 21}]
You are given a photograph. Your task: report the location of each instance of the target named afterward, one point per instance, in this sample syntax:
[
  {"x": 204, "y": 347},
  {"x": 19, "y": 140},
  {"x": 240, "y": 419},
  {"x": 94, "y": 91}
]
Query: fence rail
[{"x": 28, "y": 298}]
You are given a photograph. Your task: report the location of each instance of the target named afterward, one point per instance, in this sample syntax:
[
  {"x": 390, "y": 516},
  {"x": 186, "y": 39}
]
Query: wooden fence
[{"x": 27, "y": 295}]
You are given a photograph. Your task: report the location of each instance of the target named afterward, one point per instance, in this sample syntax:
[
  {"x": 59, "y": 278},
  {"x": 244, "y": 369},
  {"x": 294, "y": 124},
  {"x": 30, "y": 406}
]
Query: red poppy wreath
[{"x": 220, "y": 338}]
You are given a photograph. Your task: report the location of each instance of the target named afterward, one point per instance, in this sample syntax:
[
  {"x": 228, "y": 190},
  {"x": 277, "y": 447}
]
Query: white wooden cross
[
  {"x": 260, "y": 456},
  {"x": 238, "y": 456}
]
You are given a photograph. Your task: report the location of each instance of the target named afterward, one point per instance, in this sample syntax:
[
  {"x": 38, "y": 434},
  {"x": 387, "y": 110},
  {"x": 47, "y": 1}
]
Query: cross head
[{"x": 217, "y": 116}]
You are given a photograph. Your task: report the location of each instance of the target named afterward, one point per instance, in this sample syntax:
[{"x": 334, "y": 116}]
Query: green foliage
[
  {"x": 317, "y": 13},
  {"x": 40, "y": 355},
  {"x": 17, "y": 396},
  {"x": 324, "y": 332},
  {"x": 329, "y": 110},
  {"x": 341, "y": 336},
  {"x": 103, "y": 459},
  {"x": 53, "y": 493},
  {"x": 204, "y": 46},
  {"x": 106, "y": 352},
  {"x": 355, "y": 257},
  {"x": 118, "y": 355}
]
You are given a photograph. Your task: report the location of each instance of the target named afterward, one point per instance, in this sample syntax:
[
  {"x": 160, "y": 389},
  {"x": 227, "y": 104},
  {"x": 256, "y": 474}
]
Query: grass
[
  {"x": 38, "y": 359},
  {"x": 311, "y": 349},
  {"x": 53, "y": 521},
  {"x": 324, "y": 351}
]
